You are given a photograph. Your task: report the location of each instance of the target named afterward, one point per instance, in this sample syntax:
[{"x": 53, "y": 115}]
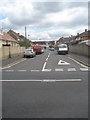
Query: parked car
[
  {"x": 51, "y": 48},
  {"x": 38, "y": 49},
  {"x": 62, "y": 48},
  {"x": 29, "y": 53}
]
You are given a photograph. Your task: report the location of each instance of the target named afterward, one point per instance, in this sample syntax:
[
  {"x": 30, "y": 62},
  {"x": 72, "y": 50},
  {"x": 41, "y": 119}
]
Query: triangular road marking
[{"x": 61, "y": 62}]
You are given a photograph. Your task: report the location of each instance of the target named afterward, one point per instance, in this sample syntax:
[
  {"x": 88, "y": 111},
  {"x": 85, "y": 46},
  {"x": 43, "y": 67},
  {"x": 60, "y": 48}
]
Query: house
[
  {"x": 7, "y": 40},
  {"x": 64, "y": 40},
  {"x": 23, "y": 41},
  {"x": 83, "y": 36},
  {"x": 14, "y": 35}
]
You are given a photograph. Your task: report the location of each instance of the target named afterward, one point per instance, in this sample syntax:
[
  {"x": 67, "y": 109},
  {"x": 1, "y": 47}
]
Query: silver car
[{"x": 29, "y": 53}]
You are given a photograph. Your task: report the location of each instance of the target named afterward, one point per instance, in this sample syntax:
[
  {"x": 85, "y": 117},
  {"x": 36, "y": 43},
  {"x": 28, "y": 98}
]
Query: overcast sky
[{"x": 44, "y": 20}]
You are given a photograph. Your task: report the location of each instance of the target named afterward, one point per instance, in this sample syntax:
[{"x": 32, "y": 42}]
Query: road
[{"x": 47, "y": 86}]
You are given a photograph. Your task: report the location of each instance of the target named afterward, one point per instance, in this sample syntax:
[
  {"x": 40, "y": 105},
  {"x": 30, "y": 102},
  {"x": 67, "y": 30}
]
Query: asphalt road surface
[{"x": 46, "y": 86}]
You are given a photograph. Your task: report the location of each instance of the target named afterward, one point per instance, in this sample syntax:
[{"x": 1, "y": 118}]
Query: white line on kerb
[
  {"x": 77, "y": 62},
  {"x": 44, "y": 80}
]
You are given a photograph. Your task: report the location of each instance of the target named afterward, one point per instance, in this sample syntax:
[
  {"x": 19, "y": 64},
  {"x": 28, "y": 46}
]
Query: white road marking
[
  {"x": 84, "y": 69},
  {"x": 44, "y": 66},
  {"x": 49, "y": 55},
  {"x": 34, "y": 70},
  {"x": 59, "y": 70},
  {"x": 13, "y": 64},
  {"x": 5, "y": 67},
  {"x": 9, "y": 70},
  {"x": 43, "y": 69},
  {"x": 21, "y": 70},
  {"x": 78, "y": 62},
  {"x": 45, "y": 80},
  {"x": 46, "y": 70},
  {"x": 61, "y": 62},
  {"x": 71, "y": 69},
  {"x": 46, "y": 59}
]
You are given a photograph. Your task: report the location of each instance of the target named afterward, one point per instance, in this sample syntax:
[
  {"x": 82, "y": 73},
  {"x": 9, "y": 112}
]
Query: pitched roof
[
  {"x": 7, "y": 37},
  {"x": 16, "y": 34},
  {"x": 86, "y": 33}
]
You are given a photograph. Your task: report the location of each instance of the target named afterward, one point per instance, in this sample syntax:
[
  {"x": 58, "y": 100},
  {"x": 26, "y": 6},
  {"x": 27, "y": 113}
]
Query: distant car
[
  {"x": 29, "y": 53},
  {"x": 51, "y": 48},
  {"x": 43, "y": 50},
  {"x": 62, "y": 49}
]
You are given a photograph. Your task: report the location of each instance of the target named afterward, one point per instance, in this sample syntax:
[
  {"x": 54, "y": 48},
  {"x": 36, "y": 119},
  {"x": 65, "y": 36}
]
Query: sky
[{"x": 44, "y": 20}]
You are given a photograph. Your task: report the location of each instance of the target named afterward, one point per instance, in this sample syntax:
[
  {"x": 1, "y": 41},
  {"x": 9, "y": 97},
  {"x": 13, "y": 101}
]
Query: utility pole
[
  {"x": 25, "y": 37},
  {"x": 25, "y": 32}
]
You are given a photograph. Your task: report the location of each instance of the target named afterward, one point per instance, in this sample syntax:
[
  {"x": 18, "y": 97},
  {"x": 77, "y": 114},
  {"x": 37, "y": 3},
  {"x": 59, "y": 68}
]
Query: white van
[{"x": 62, "y": 48}]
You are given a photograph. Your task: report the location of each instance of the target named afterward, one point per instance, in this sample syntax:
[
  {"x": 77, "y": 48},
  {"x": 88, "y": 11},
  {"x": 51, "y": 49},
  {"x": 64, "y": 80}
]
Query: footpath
[
  {"x": 11, "y": 60},
  {"x": 82, "y": 59}
]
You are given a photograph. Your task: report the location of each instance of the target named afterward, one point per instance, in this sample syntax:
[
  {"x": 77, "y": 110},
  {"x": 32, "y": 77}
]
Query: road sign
[{"x": 61, "y": 62}]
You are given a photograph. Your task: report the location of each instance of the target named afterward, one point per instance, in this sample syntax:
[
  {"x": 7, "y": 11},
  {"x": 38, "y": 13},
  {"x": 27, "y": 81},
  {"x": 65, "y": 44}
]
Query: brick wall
[{"x": 14, "y": 51}]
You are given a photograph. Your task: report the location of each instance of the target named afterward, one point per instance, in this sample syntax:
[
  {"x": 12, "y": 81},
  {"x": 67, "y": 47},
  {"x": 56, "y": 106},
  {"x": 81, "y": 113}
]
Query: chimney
[{"x": 85, "y": 30}]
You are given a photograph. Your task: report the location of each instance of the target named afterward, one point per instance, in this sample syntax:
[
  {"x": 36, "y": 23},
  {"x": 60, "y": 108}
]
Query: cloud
[{"x": 44, "y": 20}]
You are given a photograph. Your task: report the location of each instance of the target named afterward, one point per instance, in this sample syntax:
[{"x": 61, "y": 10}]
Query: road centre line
[
  {"x": 49, "y": 55},
  {"x": 44, "y": 66},
  {"x": 44, "y": 80},
  {"x": 78, "y": 62},
  {"x": 43, "y": 69},
  {"x": 47, "y": 59}
]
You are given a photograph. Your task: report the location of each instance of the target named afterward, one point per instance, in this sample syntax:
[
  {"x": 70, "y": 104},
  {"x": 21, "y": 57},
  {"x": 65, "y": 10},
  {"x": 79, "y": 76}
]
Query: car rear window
[{"x": 62, "y": 46}]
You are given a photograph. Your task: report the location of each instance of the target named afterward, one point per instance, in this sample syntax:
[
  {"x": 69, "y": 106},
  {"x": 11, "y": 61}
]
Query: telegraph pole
[
  {"x": 25, "y": 32},
  {"x": 25, "y": 36}
]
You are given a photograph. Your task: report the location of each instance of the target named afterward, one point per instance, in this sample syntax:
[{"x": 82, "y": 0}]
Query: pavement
[
  {"x": 82, "y": 59},
  {"x": 46, "y": 86},
  {"x": 11, "y": 60}
]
